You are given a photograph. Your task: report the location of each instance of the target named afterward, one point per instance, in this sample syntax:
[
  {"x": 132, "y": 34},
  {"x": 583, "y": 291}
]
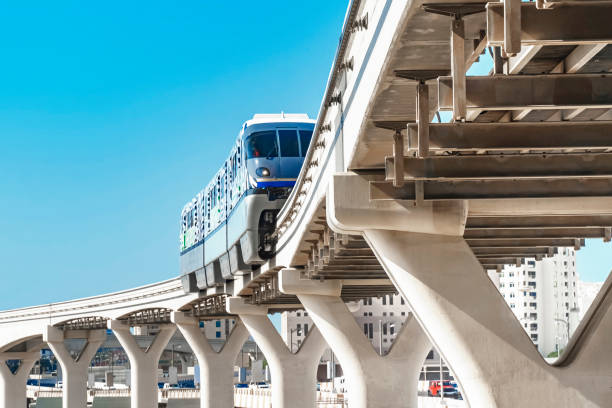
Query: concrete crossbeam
[
  {"x": 479, "y": 189},
  {"x": 552, "y": 221},
  {"x": 521, "y": 242},
  {"x": 516, "y": 166},
  {"x": 551, "y": 233},
  {"x": 556, "y": 25},
  {"x": 547, "y": 91},
  {"x": 515, "y": 136}
]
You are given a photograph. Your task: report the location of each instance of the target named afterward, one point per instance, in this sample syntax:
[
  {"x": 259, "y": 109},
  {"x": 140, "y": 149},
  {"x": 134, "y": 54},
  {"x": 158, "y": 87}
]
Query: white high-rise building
[
  {"x": 587, "y": 291},
  {"x": 544, "y": 297}
]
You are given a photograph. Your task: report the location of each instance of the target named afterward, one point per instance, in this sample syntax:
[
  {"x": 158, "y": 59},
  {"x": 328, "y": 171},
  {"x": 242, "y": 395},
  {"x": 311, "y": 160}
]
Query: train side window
[
  {"x": 289, "y": 146},
  {"x": 305, "y": 136}
]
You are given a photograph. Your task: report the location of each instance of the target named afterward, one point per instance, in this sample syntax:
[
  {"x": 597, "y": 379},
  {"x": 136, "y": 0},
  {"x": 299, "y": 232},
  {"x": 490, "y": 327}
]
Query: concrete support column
[
  {"x": 374, "y": 381},
  {"x": 74, "y": 370},
  {"x": 13, "y": 386},
  {"x": 469, "y": 322},
  {"x": 293, "y": 375},
  {"x": 216, "y": 368},
  {"x": 143, "y": 363}
]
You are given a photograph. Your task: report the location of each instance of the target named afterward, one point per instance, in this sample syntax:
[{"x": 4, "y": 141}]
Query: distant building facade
[{"x": 544, "y": 297}]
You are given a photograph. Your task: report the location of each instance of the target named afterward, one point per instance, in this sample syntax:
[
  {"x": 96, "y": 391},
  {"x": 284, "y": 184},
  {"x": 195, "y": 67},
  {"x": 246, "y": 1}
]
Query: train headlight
[{"x": 263, "y": 172}]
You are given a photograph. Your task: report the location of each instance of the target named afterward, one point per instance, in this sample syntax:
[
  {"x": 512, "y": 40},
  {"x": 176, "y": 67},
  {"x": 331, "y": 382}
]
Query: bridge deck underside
[{"x": 551, "y": 154}]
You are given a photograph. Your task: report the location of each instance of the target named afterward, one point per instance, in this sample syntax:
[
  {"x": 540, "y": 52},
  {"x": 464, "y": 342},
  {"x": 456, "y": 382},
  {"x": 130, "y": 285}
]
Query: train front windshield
[
  {"x": 277, "y": 154},
  {"x": 262, "y": 144},
  {"x": 294, "y": 143}
]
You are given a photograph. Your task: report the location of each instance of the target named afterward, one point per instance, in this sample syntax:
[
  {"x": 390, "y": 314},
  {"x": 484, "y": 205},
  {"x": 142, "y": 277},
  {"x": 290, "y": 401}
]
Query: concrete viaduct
[{"x": 389, "y": 201}]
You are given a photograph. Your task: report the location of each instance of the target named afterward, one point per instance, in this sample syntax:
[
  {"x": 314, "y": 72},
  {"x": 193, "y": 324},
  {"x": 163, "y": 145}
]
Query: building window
[
  {"x": 218, "y": 334},
  {"x": 402, "y": 301},
  {"x": 390, "y": 313},
  {"x": 365, "y": 329},
  {"x": 365, "y": 313},
  {"x": 392, "y": 330},
  {"x": 430, "y": 356},
  {"x": 390, "y": 299},
  {"x": 371, "y": 330},
  {"x": 218, "y": 323},
  {"x": 298, "y": 314},
  {"x": 403, "y": 313},
  {"x": 384, "y": 300},
  {"x": 305, "y": 329},
  {"x": 384, "y": 327},
  {"x": 299, "y": 329},
  {"x": 384, "y": 313},
  {"x": 305, "y": 314}
]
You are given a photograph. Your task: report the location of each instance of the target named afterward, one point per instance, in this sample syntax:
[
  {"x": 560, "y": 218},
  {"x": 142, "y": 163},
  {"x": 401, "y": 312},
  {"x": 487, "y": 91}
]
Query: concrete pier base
[
  {"x": 74, "y": 371},
  {"x": 216, "y": 368},
  {"x": 293, "y": 375},
  {"x": 143, "y": 363}
]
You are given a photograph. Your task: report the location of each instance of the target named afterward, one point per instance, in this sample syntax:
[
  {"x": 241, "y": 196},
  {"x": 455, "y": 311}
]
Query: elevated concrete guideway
[{"x": 389, "y": 202}]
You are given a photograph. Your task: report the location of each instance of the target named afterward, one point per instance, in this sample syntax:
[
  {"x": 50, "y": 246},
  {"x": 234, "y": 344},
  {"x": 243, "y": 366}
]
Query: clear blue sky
[{"x": 114, "y": 114}]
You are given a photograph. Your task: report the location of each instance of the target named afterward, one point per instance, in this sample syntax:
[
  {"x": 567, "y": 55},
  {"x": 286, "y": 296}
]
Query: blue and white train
[{"x": 227, "y": 228}]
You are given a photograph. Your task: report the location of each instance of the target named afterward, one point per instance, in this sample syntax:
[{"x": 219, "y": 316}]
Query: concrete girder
[
  {"x": 514, "y": 136},
  {"x": 507, "y": 166},
  {"x": 552, "y": 233},
  {"x": 521, "y": 242},
  {"x": 556, "y": 25},
  {"x": 479, "y": 189},
  {"x": 552, "y": 221},
  {"x": 516, "y": 92}
]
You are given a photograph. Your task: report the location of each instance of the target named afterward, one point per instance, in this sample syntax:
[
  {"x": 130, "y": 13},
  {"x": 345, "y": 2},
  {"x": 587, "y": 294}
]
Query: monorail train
[{"x": 227, "y": 228}]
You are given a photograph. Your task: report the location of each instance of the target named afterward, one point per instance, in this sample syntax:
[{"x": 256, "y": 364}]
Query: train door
[{"x": 290, "y": 160}]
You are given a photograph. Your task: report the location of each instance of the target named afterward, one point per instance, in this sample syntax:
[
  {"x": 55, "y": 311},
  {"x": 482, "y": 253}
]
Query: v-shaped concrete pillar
[
  {"x": 216, "y": 368},
  {"x": 74, "y": 370},
  {"x": 143, "y": 363},
  {"x": 13, "y": 386},
  {"x": 374, "y": 381},
  {"x": 478, "y": 335},
  {"x": 294, "y": 376}
]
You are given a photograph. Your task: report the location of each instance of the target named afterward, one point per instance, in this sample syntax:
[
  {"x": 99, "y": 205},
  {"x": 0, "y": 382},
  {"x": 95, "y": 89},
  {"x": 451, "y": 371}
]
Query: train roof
[{"x": 259, "y": 118}]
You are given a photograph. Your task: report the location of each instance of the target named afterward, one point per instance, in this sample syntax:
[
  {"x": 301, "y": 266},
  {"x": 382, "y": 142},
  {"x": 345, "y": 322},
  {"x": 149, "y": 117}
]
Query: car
[{"x": 450, "y": 389}]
